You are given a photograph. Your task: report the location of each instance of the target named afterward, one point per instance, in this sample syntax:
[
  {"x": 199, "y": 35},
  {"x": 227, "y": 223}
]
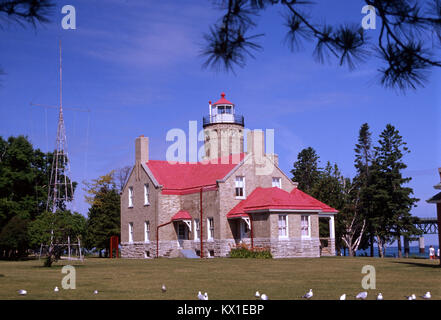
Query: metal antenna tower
[{"x": 60, "y": 186}]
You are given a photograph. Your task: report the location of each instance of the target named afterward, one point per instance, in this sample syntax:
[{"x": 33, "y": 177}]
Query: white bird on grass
[
  {"x": 205, "y": 296},
  {"x": 380, "y": 296},
  {"x": 200, "y": 296},
  {"x": 263, "y": 297},
  {"x": 361, "y": 295},
  {"x": 56, "y": 289},
  {"x": 343, "y": 296},
  {"x": 257, "y": 295},
  {"x": 164, "y": 289},
  {"x": 308, "y": 295},
  {"x": 95, "y": 292},
  {"x": 411, "y": 297},
  {"x": 427, "y": 295},
  {"x": 22, "y": 292}
]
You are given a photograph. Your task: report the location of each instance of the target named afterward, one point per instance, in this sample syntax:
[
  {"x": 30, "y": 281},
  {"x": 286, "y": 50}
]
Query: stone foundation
[{"x": 290, "y": 248}]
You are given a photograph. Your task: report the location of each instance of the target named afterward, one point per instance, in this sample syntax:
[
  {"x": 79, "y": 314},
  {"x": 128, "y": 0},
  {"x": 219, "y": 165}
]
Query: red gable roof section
[
  {"x": 222, "y": 100},
  {"x": 185, "y": 178},
  {"x": 181, "y": 215},
  {"x": 276, "y": 198}
]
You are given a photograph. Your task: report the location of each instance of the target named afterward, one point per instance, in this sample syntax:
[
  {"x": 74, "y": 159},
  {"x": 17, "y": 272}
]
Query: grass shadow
[{"x": 419, "y": 264}]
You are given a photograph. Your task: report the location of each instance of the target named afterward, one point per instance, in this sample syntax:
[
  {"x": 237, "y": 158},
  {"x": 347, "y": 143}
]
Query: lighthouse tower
[{"x": 223, "y": 130}]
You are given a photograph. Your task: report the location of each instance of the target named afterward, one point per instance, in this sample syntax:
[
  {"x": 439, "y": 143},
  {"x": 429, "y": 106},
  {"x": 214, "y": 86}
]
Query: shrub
[{"x": 244, "y": 251}]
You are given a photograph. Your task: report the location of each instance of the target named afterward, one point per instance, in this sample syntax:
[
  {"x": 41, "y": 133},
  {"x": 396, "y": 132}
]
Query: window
[
  {"x": 240, "y": 187},
  {"x": 197, "y": 229},
  {"x": 283, "y": 226},
  {"x": 210, "y": 228},
  {"x": 305, "y": 224},
  {"x": 146, "y": 194},
  {"x": 130, "y": 197},
  {"x": 277, "y": 182},
  {"x": 130, "y": 231},
  {"x": 147, "y": 231}
]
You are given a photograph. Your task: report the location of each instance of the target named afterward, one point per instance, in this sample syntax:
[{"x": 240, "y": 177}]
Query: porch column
[{"x": 331, "y": 227}]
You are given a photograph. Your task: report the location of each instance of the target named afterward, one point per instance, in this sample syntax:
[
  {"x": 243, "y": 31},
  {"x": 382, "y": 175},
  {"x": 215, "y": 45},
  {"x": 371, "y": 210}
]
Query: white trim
[
  {"x": 151, "y": 176},
  {"x": 188, "y": 223},
  {"x": 147, "y": 231},
  {"x": 146, "y": 194},
  {"x": 196, "y": 229},
  {"x": 308, "y": 236},
  {"x": 130, "y": 195},
  {"x": 286, "y": 236},
  {"x": 280, "y": 182},
  {"x": 210, "y": 234},
  {"x": 244, "y": 194},
  {"x": 131, "y": 232}
]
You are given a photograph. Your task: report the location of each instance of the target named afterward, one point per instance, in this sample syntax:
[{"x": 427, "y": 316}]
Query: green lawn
[{"x": 222, "y": 278}]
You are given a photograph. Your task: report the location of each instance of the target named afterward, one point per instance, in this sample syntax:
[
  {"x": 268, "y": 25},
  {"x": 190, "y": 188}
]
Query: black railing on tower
[{"x": 223, "y": 118}]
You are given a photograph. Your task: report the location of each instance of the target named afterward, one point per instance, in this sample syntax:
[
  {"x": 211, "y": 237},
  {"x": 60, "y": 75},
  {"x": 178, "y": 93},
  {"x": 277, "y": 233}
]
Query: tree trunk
[
  {"x": 371, "y": 244},
  {"x": 380, "y": 247},
  {"x": 400, "y": 254}
]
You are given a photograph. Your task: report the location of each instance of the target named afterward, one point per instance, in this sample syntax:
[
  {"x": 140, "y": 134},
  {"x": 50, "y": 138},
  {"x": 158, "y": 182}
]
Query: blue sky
[{"x": 136, "y": 66}]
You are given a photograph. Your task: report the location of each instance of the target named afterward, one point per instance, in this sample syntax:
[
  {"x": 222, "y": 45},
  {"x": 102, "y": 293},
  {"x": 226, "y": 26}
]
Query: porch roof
[
  {"x": 269, "y": 199},
  {"x": 181, "y": 215}
]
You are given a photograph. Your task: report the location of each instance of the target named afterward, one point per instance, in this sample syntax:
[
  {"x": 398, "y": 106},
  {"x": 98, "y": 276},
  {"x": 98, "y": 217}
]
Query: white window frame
[
  {"x": 147, "y": 231},
  {"x": 277, "y": 182},
  {"x": 236, "y": 183},
  {"x": 197, "y": 229},
  {"x": 286, "y": 236},
  {"x": 210, "y": 228},
  {"x": 146, "y": 194},
  {"x": 309, "y": 225},
  {"x": 130, "y": 232},
  {"x": 130, "y": 197}
]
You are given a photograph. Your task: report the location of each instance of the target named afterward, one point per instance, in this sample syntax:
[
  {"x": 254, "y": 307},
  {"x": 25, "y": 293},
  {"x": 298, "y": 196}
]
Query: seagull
[
  {"x": 205, "y": 296},
  {"x": 164, "y": 289},
  {"x": 257, "y": 295},
  {"x": 380, "y": 296},
  {"x": 308, "y": 295},
  {"x": 200, "y": 296},
  {"x": 95, "y": 292},
  {"x": 413, "y": 296},
  {"x": 427, "y": 295},
  {"x": 22, "y": 292},
  {"x": 361, "y": 295},
  {"x": 263, "y": 297},
  {"x": 343, "y": 296},
  {"x": 56, "y": 289}
]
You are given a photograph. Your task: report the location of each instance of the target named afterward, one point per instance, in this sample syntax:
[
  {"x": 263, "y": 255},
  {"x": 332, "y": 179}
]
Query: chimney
[
  {"x": 256, "y": 143},
  {"x": 142, "y": 149}
]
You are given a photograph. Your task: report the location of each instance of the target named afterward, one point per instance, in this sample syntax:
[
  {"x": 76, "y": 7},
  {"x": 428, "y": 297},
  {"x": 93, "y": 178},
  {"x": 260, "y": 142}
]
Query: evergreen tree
[
  {"x": 306, "y": 171},
  {"x": 363, "y": 162},
  {"x": 392, "y": 201}
]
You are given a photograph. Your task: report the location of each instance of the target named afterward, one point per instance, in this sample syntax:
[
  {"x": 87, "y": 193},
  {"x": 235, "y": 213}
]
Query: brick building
[{"x": 230, "y": 197}]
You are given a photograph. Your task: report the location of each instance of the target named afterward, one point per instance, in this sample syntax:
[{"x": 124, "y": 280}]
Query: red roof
[
  {"x": 222, "y": 100},
  {"x": 181, "y": 215},
  {"x": 277, "y": 199},
  {"x": 185, "y": 178}
]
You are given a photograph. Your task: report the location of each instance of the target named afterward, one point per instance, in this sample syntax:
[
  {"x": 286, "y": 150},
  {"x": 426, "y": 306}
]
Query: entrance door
[
  {"x": 244, "y": 231},
  {"x": 182, "y": 232}
]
